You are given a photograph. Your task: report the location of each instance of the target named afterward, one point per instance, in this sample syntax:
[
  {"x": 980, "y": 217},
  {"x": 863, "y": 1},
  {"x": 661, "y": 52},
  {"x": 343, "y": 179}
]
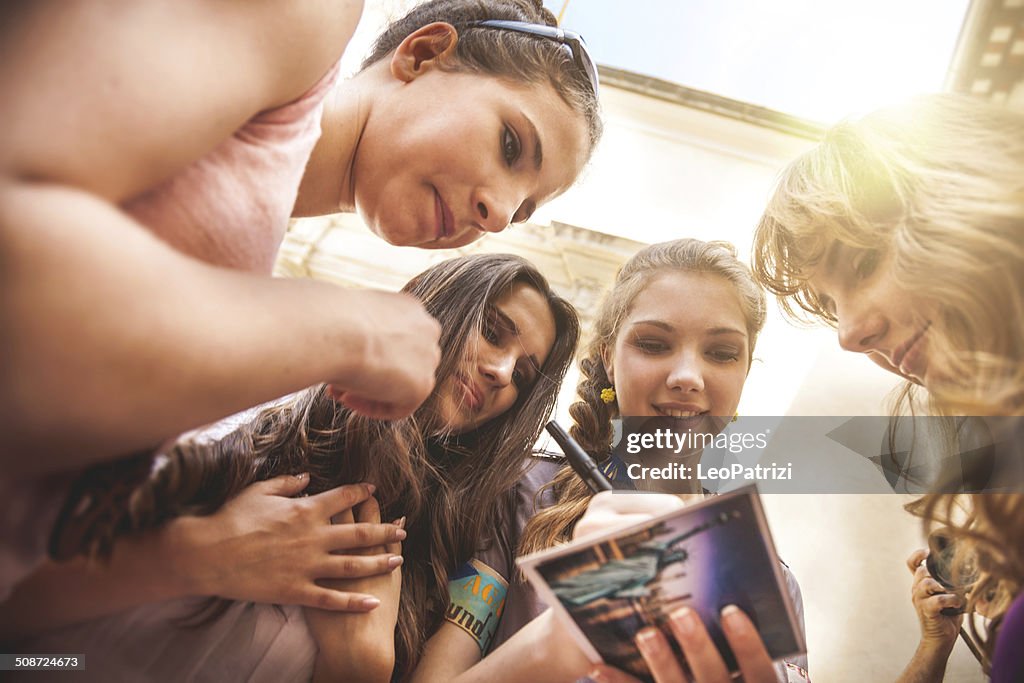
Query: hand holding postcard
[{"x": 706, "y": 556}]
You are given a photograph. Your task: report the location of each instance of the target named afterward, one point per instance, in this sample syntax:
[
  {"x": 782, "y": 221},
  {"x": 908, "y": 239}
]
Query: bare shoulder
[
  {"x": 113, "y": 96},
  {"x": 319, "y": 32}
]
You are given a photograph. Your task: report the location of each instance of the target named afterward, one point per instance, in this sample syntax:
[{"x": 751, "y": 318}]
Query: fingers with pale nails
[
  {"x": 747, "y": 646},
  {"x": 389, "y": 548},
  {"x": 705, "y": 662},
  {"x": 266, "y": 545}
]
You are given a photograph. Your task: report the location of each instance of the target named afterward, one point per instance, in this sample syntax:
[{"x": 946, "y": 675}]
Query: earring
[
  {"x": 736, "y": 416},
  {"x": 608, "y": 394}
]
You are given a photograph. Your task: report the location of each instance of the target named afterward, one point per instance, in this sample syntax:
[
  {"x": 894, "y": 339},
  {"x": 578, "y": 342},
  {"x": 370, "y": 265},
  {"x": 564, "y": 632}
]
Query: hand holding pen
[{"x": 580, "y": 461}]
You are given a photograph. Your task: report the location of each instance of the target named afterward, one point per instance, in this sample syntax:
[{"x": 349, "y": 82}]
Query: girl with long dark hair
[{"x": 447, "y": 473}]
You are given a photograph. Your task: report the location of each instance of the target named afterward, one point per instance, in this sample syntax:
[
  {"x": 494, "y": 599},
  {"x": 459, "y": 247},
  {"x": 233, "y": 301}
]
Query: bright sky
[{"x": 818, "y": 59}]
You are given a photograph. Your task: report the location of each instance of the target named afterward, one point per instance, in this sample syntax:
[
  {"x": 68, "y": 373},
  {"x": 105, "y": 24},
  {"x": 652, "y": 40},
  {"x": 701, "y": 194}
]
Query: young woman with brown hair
[
  {"x": 144, "y": 192},
  {"x": 187, "y": 139},
  {"x": 674, "y": 337},
  {"x": 447, "y": 473}
]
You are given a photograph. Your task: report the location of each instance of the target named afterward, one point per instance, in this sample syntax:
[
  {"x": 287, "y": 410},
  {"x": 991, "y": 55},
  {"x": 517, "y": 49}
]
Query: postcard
[{"x": 718, "y": 552}]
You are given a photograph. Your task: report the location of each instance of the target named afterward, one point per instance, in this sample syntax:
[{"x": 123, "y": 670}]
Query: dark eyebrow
[
  {"x": 538, "y": 152},
  {"x": 514, "y": 329},
  {"x": 507, "y": 321}
]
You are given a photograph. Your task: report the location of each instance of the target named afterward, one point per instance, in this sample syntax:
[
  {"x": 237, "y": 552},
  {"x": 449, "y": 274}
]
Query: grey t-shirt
[{"x": 521, "y": 603}]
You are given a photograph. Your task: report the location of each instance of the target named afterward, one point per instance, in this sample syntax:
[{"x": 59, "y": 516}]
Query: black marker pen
[{"x": 581, "y": 462}]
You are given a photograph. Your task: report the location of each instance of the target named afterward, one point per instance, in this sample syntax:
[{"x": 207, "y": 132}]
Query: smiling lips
[
  {"x": 473, "y": 396},
  {"x": 444, "y": 216},
  {"x": 906, "y": 350},
  {"x": 678, "y": 410}
]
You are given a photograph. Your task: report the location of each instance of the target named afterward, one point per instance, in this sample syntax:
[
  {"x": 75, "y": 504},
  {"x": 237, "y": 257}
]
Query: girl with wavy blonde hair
[
  {"x": 674, "y": 337},
  {"x": 905, "y": 231},
  {"x": 592, "y": 415},
  {"x": 923, "y": 203}
]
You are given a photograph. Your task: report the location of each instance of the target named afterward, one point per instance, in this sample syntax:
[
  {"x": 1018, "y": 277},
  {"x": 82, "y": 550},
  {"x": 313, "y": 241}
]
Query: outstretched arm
[
  {"x": 111, "y": 341},
  {"x": 262, "y": 546}
]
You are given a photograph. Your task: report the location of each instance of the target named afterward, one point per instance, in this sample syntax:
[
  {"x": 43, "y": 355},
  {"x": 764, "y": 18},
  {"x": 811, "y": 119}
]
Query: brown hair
[
  {"x": 505, "y": 54},
  {"x": 592, "y": 417},
  {"x": 453, "y": 490}
]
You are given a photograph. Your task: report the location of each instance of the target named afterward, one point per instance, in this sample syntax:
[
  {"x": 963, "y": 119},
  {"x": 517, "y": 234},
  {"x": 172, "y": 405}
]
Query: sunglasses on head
[{"x": 573, "y": 42}]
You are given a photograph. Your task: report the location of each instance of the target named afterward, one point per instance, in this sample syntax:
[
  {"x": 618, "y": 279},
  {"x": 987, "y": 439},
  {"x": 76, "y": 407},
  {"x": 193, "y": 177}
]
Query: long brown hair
[
  {"x": 592, "y": 417},
  {"x": 454, "y": 491},
  {"x": 506, "y": 54}
]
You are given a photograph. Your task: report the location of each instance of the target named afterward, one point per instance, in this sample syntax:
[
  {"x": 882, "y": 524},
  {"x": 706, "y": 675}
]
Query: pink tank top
[{"x": 231, "y": 207}]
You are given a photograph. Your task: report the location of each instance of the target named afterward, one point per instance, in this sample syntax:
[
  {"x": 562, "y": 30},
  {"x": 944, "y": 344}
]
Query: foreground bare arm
[
  {"x": 110, "y": 341},
  {"x": 263, "y": 546},
  {"x": 113, "y": 341}
]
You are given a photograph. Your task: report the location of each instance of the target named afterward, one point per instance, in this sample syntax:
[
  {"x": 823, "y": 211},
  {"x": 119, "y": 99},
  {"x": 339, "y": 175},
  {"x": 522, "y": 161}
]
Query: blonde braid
[{"x": 592, "y": 417}]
